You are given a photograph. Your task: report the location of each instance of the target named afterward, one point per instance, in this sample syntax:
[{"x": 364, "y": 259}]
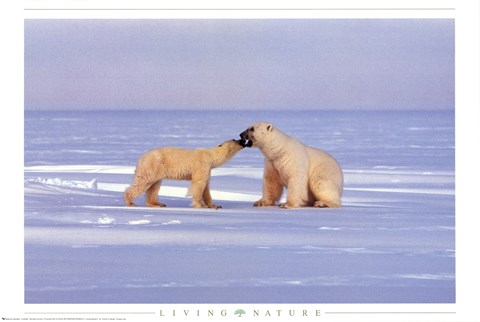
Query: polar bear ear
[{"x": 269, "y": 127}]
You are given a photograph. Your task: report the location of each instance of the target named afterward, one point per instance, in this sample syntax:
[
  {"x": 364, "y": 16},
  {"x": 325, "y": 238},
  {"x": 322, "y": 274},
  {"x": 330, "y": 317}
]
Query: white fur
[{"x": 312, "y": 176}]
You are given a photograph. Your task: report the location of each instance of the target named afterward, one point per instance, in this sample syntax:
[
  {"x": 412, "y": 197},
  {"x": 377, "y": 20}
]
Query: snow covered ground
[{"x": 392, "y": 242}]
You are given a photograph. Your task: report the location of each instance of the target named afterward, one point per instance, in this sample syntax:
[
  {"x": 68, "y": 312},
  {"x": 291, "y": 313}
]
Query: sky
[{"x": 278, "y": 64}]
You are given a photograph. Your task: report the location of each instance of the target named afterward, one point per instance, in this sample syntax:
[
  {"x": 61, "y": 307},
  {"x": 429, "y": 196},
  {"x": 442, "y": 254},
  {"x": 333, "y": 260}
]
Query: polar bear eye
[
  {"x": 220, "y": 145},
  {"x": 251, "y": 129}
]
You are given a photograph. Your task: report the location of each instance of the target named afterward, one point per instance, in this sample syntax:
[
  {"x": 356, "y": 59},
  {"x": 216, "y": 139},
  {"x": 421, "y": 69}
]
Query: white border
[{"x": 466, "y": 15}]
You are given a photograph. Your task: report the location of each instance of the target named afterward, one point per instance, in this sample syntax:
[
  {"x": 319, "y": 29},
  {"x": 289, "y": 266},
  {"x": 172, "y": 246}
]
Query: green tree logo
[{"x": 239, "y": 312}]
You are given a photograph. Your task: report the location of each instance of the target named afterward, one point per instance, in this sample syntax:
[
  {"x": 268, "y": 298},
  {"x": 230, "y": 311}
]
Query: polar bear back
[{"x": 174, "y": 163}]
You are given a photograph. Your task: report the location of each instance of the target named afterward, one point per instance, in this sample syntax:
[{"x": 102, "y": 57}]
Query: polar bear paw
[
  {"x": 263, "y": 203},
  {"x": 320, "y": 204},
  {"x": 287, "y": 205},
  {"x": 202, "y": 205},
  {"x": 156, "y": 205}
]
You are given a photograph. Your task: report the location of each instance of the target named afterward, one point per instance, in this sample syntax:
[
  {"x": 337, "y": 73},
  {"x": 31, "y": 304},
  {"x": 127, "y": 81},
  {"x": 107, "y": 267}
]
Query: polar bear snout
[
  {"x": 244, "y": 135},
  {"x": 244, "y": 143},
  {"x": 247, "y": 140}
]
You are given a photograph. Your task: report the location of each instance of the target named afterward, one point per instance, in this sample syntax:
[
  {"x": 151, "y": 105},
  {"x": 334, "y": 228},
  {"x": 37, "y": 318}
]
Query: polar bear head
[
  {"x": 225, "y": 151},
  {"x": 257, "y": 134}
]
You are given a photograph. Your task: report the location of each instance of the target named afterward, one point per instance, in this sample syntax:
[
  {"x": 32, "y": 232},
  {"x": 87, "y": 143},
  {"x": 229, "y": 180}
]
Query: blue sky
[{"x": 239, "y": 64}]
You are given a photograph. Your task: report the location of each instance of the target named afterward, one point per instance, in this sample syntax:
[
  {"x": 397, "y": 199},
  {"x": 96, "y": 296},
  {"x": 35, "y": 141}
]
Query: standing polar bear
[
  {"x": 312, "y": 176},
  {"x": 179, "y": 164}
]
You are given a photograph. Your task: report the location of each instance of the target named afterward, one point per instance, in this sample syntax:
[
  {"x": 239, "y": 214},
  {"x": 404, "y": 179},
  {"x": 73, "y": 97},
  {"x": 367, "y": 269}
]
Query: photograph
[
  {"x": 223, "y": 161},
  {"x": 213, "y": 161}
]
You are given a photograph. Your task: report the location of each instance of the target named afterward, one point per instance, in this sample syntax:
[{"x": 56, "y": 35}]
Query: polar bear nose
[{"x": 244, "y": 135}]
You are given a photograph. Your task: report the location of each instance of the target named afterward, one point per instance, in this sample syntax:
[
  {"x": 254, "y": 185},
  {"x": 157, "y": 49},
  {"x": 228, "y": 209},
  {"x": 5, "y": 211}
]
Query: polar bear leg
[
  {"x": 200, "y": 179},
  {"x": 272, "y": 189},
  {"x": 326, "y": 195},
  {"x": 297, "y": 195},
  {"x": 196, "y": 190},
  {"x": 152, "y": 195},
  {"x": 207, "y": 198},
  {"x": 135, "y": 190},
  {"x": 130, "y": 195}
]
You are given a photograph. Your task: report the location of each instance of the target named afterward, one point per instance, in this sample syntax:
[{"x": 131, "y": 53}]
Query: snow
[{"x": 393, "y": 241}]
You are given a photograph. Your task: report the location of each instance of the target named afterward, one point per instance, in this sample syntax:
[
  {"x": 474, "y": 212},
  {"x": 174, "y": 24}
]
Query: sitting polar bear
[
  {"x": 312, "y": 177},
  {"x": 179, "y": 164}
]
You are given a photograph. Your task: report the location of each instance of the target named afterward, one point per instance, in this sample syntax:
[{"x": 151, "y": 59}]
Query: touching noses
[{"x": 244, "y": 135}]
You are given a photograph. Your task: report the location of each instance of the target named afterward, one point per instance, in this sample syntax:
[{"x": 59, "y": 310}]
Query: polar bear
[
  {"x": 179, "y": 164},
  {"x": 312, "y": 176}
]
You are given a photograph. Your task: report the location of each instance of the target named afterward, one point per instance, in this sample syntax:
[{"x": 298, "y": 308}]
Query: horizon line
[{"x": 240, "y": 110}]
